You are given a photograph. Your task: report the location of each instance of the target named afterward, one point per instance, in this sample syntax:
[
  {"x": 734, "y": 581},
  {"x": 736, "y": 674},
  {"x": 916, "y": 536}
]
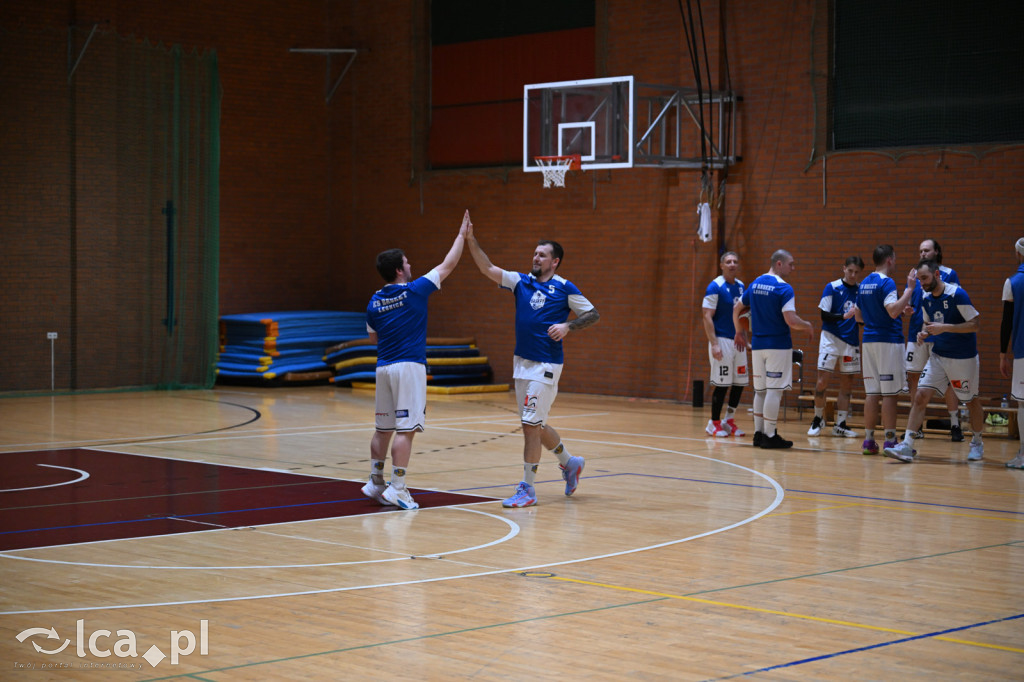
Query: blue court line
[
  {"x": 178, "y": 517},
  {"x": 505, "y": 485},
  {"x": 764, "y": 487},
  {"x": 896, "y": 499},
  {"x": 824, "y": 657}
]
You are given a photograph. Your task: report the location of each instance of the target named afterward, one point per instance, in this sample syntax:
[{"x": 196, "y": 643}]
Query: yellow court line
[
  {"x": 816, "y": 509},
  {"x": 755, "y": 609}
]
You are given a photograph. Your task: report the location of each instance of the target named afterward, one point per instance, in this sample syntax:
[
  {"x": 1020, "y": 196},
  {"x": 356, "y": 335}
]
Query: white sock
[
  {"x": 841, "y": 416},
  {"x": 529, "y": 473},
  {"x": 1020, "y": 425},
  {"x": 397, "y": 477},
  {"x": 562, "y": 454},
  {"x": 819, "y": 412},
  {"x": 954, "y": 419},
  {"x": 730, "y": 412},
  {"x": 377, "y": 471}
]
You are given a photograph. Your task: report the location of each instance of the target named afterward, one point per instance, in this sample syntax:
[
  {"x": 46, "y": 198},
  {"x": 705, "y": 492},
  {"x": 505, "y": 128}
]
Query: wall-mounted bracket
[{"x": 329, "y": 88}]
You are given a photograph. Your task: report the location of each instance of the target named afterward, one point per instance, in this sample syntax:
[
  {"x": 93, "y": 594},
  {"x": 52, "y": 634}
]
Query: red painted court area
[{"x": 59, "y": 497}]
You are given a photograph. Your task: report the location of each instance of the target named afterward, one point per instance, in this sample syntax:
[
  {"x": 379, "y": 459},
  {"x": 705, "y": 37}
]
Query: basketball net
[{"x": 554, "y": 168}]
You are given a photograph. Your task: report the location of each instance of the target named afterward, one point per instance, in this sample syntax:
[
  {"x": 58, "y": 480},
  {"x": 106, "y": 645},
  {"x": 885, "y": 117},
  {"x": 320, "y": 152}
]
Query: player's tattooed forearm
[{"x": 585, "y": 320}]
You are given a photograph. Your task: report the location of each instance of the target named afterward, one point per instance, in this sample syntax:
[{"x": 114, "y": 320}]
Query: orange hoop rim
[{"x": 575, "y": 161}]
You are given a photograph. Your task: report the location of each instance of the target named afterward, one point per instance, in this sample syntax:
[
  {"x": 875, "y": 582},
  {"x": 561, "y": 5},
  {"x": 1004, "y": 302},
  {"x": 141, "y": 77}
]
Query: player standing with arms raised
[
  {"x": 396, "y": 320},
  {"x": 543, "y": 303}
]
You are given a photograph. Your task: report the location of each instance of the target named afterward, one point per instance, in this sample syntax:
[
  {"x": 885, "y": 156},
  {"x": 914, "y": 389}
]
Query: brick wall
[{"x": 312, "y": 191}]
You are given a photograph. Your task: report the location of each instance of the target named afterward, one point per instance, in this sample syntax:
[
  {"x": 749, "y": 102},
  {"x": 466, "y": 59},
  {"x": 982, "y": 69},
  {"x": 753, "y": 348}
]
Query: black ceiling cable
[
  {"x": 726, "y": 150},
  {"x": 689, "y": 32}
]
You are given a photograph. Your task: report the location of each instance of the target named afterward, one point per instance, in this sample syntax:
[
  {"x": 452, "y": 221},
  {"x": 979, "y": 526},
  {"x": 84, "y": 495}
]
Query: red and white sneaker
[
  {"x": 717, "y": 429},
  {"x": 731, "y": 425}
]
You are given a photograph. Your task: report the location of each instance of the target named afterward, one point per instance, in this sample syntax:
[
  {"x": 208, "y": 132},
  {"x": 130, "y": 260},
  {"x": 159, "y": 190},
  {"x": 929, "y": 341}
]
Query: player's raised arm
[
  {"x": 896, "y": 308},
  {"x": 490, "y": 270},
  {"x": 454, "y": 253}
]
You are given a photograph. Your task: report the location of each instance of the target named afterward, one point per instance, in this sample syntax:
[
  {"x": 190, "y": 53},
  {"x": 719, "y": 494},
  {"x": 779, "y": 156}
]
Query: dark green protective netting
[{"x": 113, "y": 148}]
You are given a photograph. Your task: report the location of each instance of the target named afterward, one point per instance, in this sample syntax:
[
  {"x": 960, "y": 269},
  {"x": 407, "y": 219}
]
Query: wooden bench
[{"x": 935, "y": 409}]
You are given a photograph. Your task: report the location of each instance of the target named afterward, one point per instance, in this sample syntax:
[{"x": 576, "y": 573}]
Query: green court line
[
  {"x": 856, "y": 568},
  {"x": 401, "y": 641},
  {"x": 196, "y": 675}
]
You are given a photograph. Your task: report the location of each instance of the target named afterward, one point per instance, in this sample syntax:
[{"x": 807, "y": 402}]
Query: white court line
[
  {"x": 513, "y": 526},
  {"x": 84, "y": 475},
  {"x": 158, "y": 441},
  {"x": 779, "y": 496},
  {"x": 245, "y": 434}
]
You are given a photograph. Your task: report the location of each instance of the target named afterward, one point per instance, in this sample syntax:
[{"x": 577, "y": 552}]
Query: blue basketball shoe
[{"x": 571, "y": 474}]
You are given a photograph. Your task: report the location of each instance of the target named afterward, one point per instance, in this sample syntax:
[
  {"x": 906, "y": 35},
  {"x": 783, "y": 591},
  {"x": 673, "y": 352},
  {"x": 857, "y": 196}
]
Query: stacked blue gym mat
[
  {"x": 281, "y": 347},
  {"x": 450, "y": 362}
]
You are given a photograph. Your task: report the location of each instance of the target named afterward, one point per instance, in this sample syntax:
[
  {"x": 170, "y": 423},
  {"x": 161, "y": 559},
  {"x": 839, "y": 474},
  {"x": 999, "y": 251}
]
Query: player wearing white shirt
[
  {"x": 726, "y": 353},
  {"x": 951, "y": 326},
  {"x": 396, "y": 320},
  {"x": 838, "y": 347},
  {"x": 1012, "y": 328},
  {"x": 543, "y": 303}
]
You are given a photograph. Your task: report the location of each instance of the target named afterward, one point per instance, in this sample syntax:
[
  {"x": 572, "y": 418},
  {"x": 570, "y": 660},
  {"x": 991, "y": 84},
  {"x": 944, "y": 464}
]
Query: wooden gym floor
[{"x": 680, "y": 557}]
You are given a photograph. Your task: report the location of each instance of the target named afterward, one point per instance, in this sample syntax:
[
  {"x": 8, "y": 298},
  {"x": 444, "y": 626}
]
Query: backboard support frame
[{"x": 630, "y": 124}]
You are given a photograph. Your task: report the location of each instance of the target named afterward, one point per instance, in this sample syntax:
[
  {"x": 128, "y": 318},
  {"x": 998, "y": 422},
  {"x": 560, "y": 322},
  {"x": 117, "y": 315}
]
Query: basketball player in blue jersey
[
  {"x": 951, "y": 326},
  {"x": 883, "y": 366},
  {"x": 838, "y": 347},
  {"x": 1012, "y": 328},
  {"x": 772, "y": 306},
  {"x": 543, "y": 303},
  {"x": 917, "y": 356},
  {"x": 727, "y": 354},
  {"x": 396, "y": 320}
]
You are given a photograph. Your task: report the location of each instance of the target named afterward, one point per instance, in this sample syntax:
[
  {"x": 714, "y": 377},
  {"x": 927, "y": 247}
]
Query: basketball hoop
[{"x": 554, "y": 168}]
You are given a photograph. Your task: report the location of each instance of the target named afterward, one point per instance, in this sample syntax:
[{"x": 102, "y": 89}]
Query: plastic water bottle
[{"x": 1005, "y": 403}]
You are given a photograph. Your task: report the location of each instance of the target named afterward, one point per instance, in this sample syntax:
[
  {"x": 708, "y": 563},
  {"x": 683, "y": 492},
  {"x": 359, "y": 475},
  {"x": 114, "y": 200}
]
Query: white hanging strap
[{"x": 704, "y": 229}]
